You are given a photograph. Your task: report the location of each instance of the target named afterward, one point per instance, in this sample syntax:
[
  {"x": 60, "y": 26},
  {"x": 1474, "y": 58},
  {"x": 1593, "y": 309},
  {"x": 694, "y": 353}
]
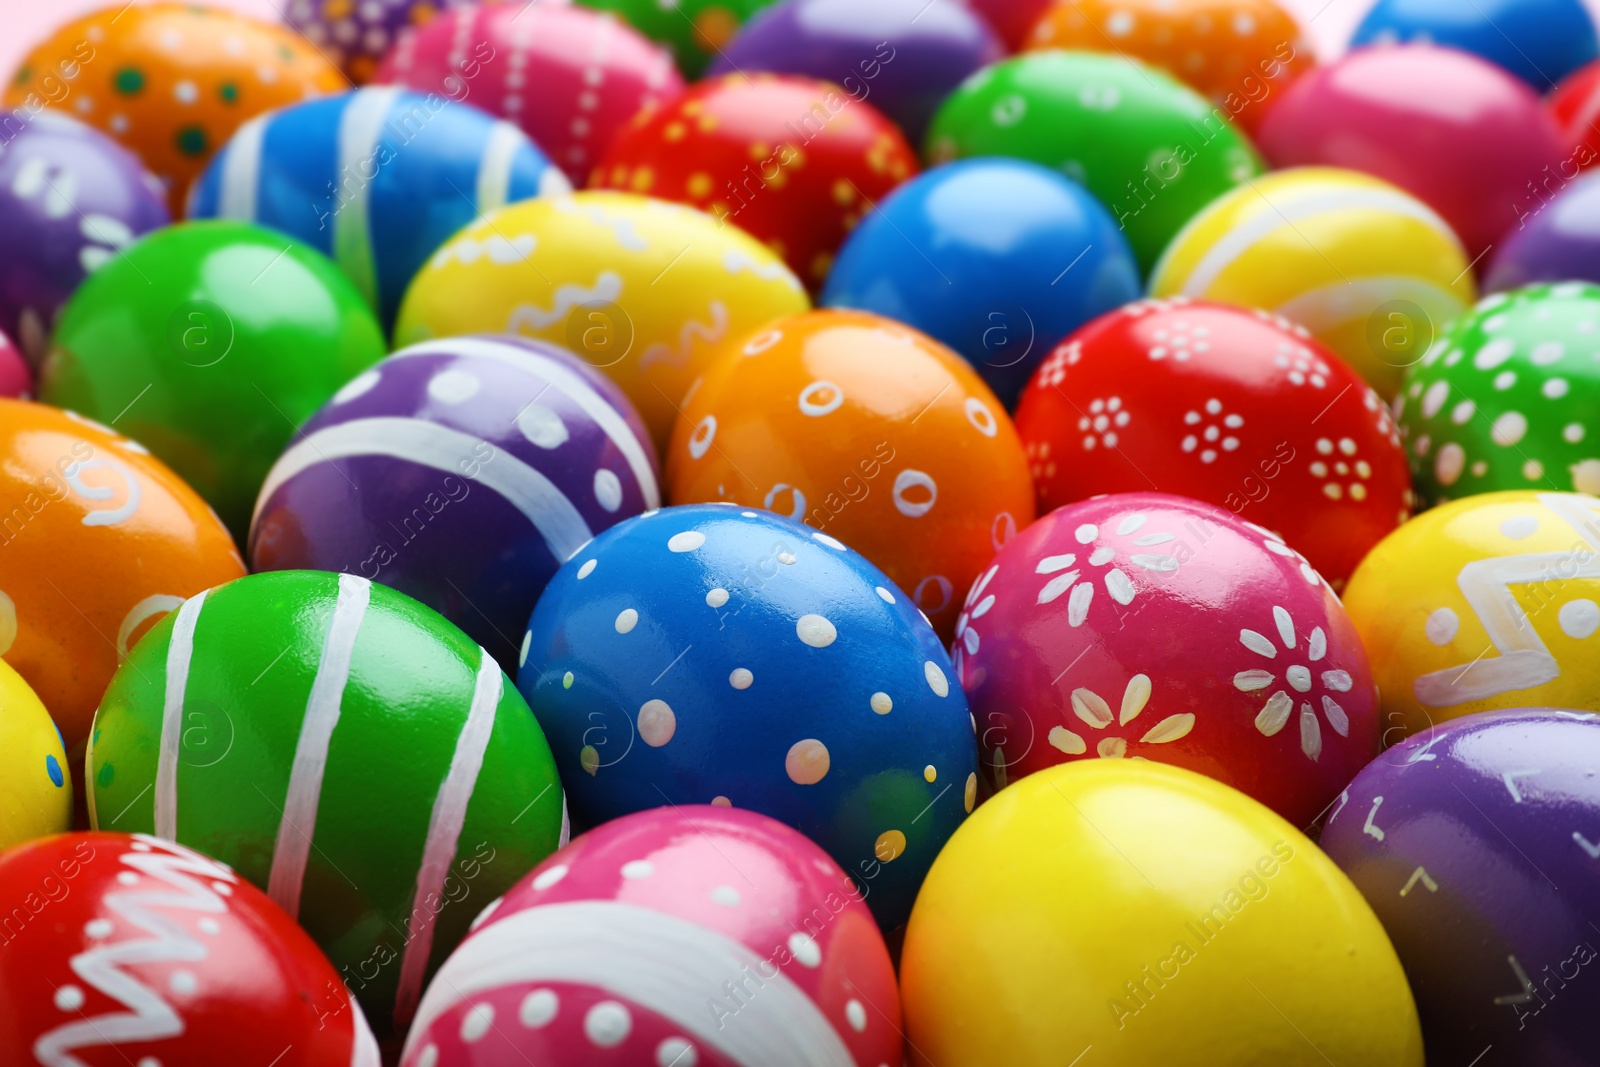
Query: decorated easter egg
[
  {"x": 16, "y": 377},
  {"x": 1239, "y": 54},
  {"x": 706, "y": 654},
  {"x": 1538, "y": 41},
  {"x": 1157, "y": 627},
  {"x": 1481, "y": 604},
  {"x": 1559, "y": 241},
  {"x": 1237, "y": 408},
  {"x": 356, "y": 35},
  {"x": 901, "y": 57},
  {"x": 1013, "y": 20},
  {"x": 860, "y": 427},
  {"x": 640, "y": 288},
  {"x": 1491, "y": 919},
  {"x": 35, "y": 785},
  {"x": 1150, "y": 148},
  {"x": 1574, "y": 104},
  {"x": 170, "y": 81},
  {"x": 345, "y": 749},
  {"x": 210, "y": 342},
  {"x": 461, "y": 472},
  {"x": 1507, "y": 397},
  {"x": 1421, "y": 117},
  {"x": 685, "y": 935},
  {"x": 123, "y": 945},
  {"x": 71, "y": 198},
  {"x": 820, "y": 162},
  {"x": 100, "y": 540},
  {"x": 381, "y": 201},
  {"x": 569, "y": 76},
  {"x": 1286, "y": 964},
  {"x": 1014, "y": 257},
  {"x": 692, "y": 30},
  {"x": 1370, "y": 270}
]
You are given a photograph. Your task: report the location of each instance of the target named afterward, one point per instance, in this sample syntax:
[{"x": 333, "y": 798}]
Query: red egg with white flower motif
[{"x": 1142, "y": 625}]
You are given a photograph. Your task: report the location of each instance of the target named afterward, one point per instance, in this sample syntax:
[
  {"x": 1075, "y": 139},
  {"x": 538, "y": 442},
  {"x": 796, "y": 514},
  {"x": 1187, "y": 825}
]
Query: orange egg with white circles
[{"x": 869, "y": 431}]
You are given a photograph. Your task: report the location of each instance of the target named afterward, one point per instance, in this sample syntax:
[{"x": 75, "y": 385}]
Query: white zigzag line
[
  {"x": 661, "y": 352},
  {"x": 606, "y": 289},
  {"x": 151, "y": 1018},
  {"x": 621, "y": 227},
  {"x": 734, "y": 261}
]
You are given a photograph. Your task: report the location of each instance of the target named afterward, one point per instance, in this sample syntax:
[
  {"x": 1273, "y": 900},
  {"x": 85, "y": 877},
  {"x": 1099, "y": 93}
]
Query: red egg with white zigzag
[{"x": 123, "y": 949}]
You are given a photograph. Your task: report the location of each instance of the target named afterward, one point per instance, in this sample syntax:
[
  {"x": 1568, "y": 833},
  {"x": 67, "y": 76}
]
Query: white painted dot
[
  {"x": 428, "y": 1058},
  {"x": 635, "y": 870},
  {"x": 546, "y": 879},
  {"x": 1547, "y": 352},
  {"x": 185, "y": 92},
  {"x": 357, "y": 386},
  {"x": 936, "y": 679},
  {"x": 881, "y": 703},
  {"x": 1572, "y": 433},
  {"x": 687, "y": 541},
  {"x": 1086, "y": 533},
  {"x": 1442, "y": 626},
  {"x": 1448, "y": 463},
  {"x": 209, "y": 926},
  {"x": 607, "y": 1024},
  {"x": 1434, "y": 398},
  {"x": 1519, "y": 526},
  {"x": 1579, "y": 618},
  {"x": 815, "y": 631},
  {"x": 856, "y": 1015},
  {"x": 69, "y": 998},
  {"x": 1555, "y": 388},
  {"x": 183, "y": 983},
  {"x": 627, "y": 619},
  {"x": 716, "y": 597},
  {"x": 476, "y": 1023},
  {"x": 740, "y": 678},
  {"x": 831, "y": 542},
  {"x": 453, "y": 386},
  {"x": 1494, "y": 353},
  {"x": 657, "y": 723},
  {"x": 587, "y": 568},
  {"x": 538, "y": 1008},
  {"x": 805, "y": 950},
  {"x": 676, "y": 1052},
  {"x": 1533, "y": 470},
  {"x": 1462, "y": 412},
  {"x": 98, "y": 929},
  {"x": 1508, "y": 429},
  {"x": 725, "y": 896},
  {"x": 886, "y": 596},
  {"x": 1120, "y": 24},
  {"x": 1505, "y": 380},
  {"x": 542, "y": 426},
  {"x": 607, "y": 489}
]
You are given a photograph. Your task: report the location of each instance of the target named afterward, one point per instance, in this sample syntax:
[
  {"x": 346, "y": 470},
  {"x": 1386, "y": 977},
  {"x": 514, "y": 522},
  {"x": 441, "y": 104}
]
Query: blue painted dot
[{"x": 54, "y": 768}]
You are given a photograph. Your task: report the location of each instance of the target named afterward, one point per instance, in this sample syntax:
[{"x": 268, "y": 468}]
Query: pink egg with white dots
[{"x": 696, "y": 936}]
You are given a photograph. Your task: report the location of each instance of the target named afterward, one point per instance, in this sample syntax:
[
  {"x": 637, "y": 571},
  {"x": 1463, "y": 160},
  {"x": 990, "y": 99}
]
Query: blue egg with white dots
[
  {"x": 714, "y": 655},
  {"x": 377, "y": 179},
  {"x": 1539, "y": 41}
]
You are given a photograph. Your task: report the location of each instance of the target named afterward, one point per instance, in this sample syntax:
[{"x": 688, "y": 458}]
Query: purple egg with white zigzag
[{"x": 463, "y": 472}]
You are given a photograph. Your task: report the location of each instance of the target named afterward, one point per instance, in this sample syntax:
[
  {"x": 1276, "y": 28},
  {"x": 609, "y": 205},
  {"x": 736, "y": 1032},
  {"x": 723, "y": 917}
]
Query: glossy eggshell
[
  {"x": 694, "y": 31},
  {"x": 123, "y": 948},
  {"x": 1370, "y": 270},
  {"x": 377, "y": 179},
  {"x": 1506, "y": 398},
  {"x": 872, "y": 432},
  {"x": 642, "y": 289},
  {"x": 16, "y": 378},
  {"x": 1236, "y": 408},
  {"x": 1474, "y": 843},
  {"x": 1537, "y": 41},
  {"x": 1480, "y": 604},
  {"x": 1152, "y": 626},
  {"x": 1005, "y": 258},
  {"x": 101, "y": 541},
  {"x": 210, "y": 342},
  {"x": 461, "y": 472},
  {"x": 1422, "y": 117},
  {"x": 791, "y": 161},
  {"x": 1149, "y": 148},
  {"x": 569, "y": 76},
  {"x": 56, "y": 231},
  {"x": 1575, "y": 106},
  {"x": 1558, "y": 241},
  {"x": 707, "y": 654},
  {"x": 1217, "y": 933},
  {"x": 35, "y": 783},
  {"x": 1239, "y": 54},
  {"x": 684, "y": 935},
  {"x": 899, "y": 56},
  {"x": 294, "y": 700},
  {"x": 357, "y": 35},
  {"x": 170, "y": 82}
]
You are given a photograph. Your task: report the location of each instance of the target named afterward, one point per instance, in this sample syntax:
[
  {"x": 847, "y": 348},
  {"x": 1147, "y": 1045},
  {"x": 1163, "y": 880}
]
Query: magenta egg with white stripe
[
  {"x": 463, "y": 472},
  {"x": 692, "y": 936}
]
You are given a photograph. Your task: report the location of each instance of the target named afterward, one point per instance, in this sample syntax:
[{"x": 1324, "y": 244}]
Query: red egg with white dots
[
  {"x": 1240, "y": 409},
  {"x": 793, "y": 161},
  {"x": 703, "y": 935}
]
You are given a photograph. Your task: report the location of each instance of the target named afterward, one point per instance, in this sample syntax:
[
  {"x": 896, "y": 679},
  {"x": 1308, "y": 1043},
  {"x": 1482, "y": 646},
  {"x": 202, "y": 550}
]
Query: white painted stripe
[
  {"x": 1293, "y": 208},
  {"x": 566, "y": 823},
  {"x": 666, "y": 964},
  {"x": 1332, "y": 305},
  {"x": 299, "y": 822},
  {"x": 240, "y": 180},
  {"x": 179, "y": 653},
  {"x": 431, "y": 445},
  {"x": 360, "y": 128},
  {"x": 444, "y": 831},
  {"x": 363, "y": 1046},
  {"x": 494, "y": 166},
  {"x": 576, "y": 389}
]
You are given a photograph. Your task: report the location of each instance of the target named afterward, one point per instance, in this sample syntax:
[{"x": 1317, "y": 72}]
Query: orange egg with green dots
[
  {"x": 792, "y": 161},
  {"x": 869, "y": 432},
  {"x": 171, "y": 82}
]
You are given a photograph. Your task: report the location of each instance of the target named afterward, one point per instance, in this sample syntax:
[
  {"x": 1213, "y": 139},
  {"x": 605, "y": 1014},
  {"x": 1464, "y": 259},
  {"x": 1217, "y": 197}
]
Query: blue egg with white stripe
[
  {"x": 377, "y": 178},
  {"x": 463, "y": 472}
]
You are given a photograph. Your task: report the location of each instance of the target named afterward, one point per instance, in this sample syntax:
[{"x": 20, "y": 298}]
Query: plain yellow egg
[{"x": 35, "y": 789}]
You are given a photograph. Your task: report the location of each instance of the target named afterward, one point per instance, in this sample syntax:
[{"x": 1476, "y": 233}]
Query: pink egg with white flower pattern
[
  {"x": 698, "y": 936},
  {"x": 1148, "y": 626}
]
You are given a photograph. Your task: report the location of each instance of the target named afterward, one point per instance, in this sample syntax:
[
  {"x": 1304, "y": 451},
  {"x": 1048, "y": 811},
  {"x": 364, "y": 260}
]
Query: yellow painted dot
[
  {"x": 759, "y": 150},
  {"x": 929, "y": 773},
  {"x": 970, "y": 795},
  {"x": 642, "y": 180},
  {"x": 619, "y": 175},
  {"x": 898, "y": 170},
  {"x": 715, "y": 27},
  {"x": 566, "y": 680},
  {"x": 693, "y": 107},
  {"x": 821, "y": 264},
  {"x": 589, "y": 759},
  {"x": 721, "y": 802},
  {"x": 698, "y": 185},
  {"x": 807, "y": 762},
  {"x": 707, "y": 123},
  {"x": 674, "y": 131},
  {"x": 777, "y": 179},
  {"x": 891, "y": 843},
  {"x": 844, "y": 193},
  {"x": 335, "y": 9}
]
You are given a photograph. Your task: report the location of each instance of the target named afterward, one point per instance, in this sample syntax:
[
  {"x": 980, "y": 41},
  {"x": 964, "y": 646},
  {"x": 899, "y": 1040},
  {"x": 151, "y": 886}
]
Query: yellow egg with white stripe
[{"x": 1369, "y": 269}]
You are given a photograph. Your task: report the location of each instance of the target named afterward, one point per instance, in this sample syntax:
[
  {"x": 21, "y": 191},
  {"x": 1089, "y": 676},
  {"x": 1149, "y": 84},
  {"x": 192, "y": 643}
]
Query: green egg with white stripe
[{"x": 346, "y": 749}]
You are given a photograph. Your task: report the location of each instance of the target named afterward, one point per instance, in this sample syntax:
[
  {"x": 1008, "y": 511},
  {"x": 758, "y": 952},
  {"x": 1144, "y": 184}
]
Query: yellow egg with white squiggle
[{"x": 640, "y": 288}]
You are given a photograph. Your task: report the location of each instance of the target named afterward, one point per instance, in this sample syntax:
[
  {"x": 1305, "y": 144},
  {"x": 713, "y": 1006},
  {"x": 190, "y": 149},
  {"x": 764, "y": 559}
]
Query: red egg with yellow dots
[
  {"x": 793, "y": 161},
  {"x": 1241, "y": 409}
]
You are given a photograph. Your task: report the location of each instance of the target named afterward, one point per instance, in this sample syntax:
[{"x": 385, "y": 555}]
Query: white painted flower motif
[
  {"x": 1339, "y": 462},
  {"x": 1053, "y": 371},
  {"x": 1179, "y": 341},
  {"x": 1304, "y": 366},
  {"x": 1297, "y": 683},
  {"x": 1282, "y": 323},
  {"x": 977, "y": 605},
  {"x": 1213, "y": 429},
  {"x": 1152, "y": 305},
  {"x": 1382, "y": 416},
  {"x": 1106, "y": 416},
  {"x": 1274, "y": 544},
  {"x": 1118, "y": 585},
  {"x": 1095, "y": 712}
]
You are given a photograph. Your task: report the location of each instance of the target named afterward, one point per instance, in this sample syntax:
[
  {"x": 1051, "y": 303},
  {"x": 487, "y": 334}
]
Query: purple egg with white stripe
[{"x": 463, "y": 472}]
